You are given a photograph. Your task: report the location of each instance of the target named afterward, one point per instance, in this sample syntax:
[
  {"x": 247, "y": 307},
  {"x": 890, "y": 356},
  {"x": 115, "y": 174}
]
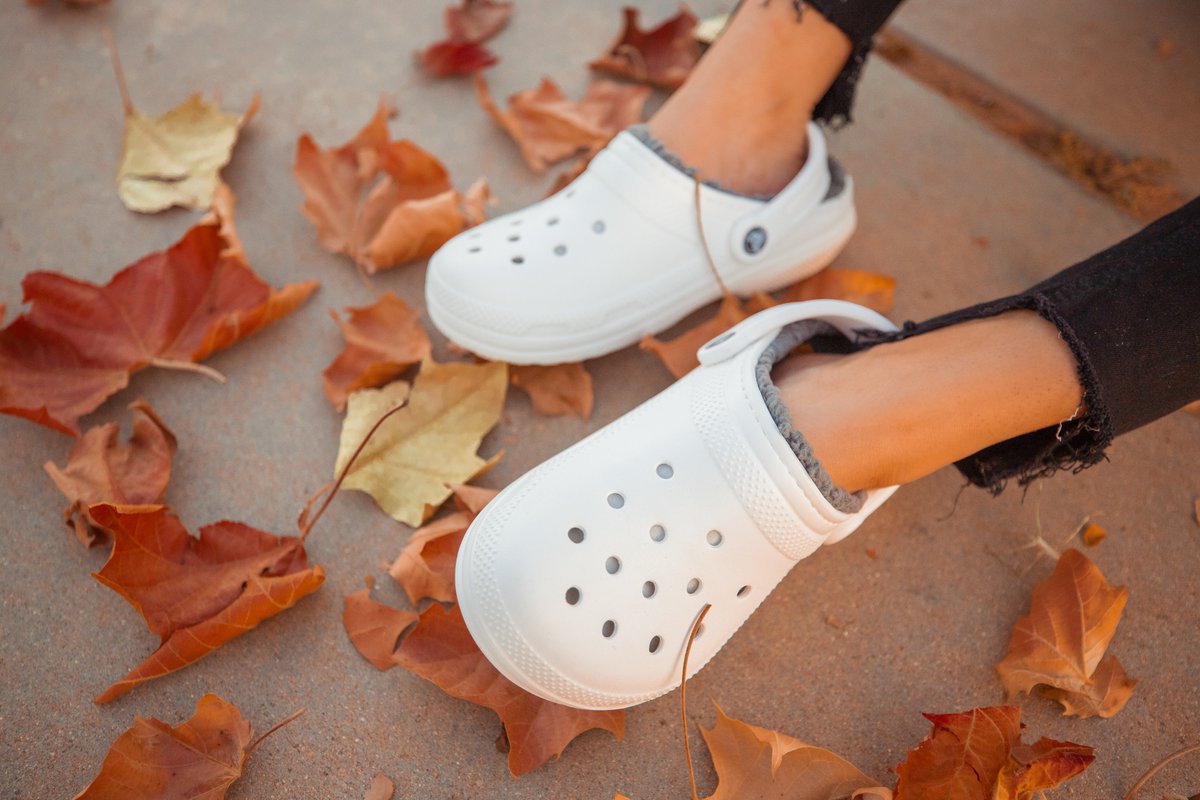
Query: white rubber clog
[
  {"x": 581, "y": 580},
  {"x": 617, "y": 255}
]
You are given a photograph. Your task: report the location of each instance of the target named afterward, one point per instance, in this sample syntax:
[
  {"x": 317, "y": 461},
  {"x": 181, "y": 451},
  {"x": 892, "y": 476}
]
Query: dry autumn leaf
[
  {"x": 754, "y": 762},
  {"x": 381, "y": 788},
  {"x": 876, "y": 292},
  {"x": 199, "y": 758},
  {"x": 1092, "y": 534},
  {"x": 679, "y": 354},
  {"x": 468, "y": 26},
  {"x": 1046, "y": 764},
  {"x": 962, "y": 756},
  {"x": 1060, "y": 645},
  {"x": 441, "y": 650},
  {"x": 102, "y": 469},
  {"x": 174, "y": 159},
  {"x": 79, "y": 342},
  {"x": 548, "y": 127},
  {"x": 382, "y": 202},
  {"x": 662, "y": 56},
  {"x": 382, "y": 341},
  {"x": 557, "y": 389},
  {"x": 197, "y": 593},
  {"x": 430, "y": 443},
  {"x": 374, "y": 628},
  {"x": 425, "y": 567}
]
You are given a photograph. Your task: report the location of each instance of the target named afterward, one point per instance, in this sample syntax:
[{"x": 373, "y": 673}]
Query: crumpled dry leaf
[
  {"x": 868, "y": 289},
  {"x": 754, "y": 762},
  {"x": 374, "y": 628},
  {"x": 175, "y": 159},
  {"x": 548, "y": 127},
  {"x": 441, "y": 650},
  {"x": 382, "y": 341},
  {"x": 197, "y": 593},
  {"x": 79, "y": 342},
  {"x": 662, "y": 56},
  {"x": 415, "y": 453},
  {"x": 425, "y": 567},
  {"x": 1092, "y": 534},
  {"x": 962, "y": 756},
  {"x": 382, "y": 202},
  {"x": 200, "y": 758},
  {"x": 102, "y": 469},
  {"x": 1060, "y": 644},
  {"x": 1046, "y": 764},
  {"x": 382, "y": 788},
  {"x": 556, "y": 389},
  {"x": 468, "y": 26}
]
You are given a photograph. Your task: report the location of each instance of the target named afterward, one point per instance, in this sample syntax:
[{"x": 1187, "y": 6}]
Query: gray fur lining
[{"x": 789, "y": 339}]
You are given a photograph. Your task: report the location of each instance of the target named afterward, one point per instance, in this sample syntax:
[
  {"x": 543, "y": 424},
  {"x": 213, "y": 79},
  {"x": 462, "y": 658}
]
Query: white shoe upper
[
  {"x": 581, "y": 580},
  {"x": 617, "y": 254}
]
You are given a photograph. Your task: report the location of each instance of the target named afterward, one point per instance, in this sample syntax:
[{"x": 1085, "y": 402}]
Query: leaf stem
[
  {"x": 1150, "y": 773},
  {"x": 687, "y": 745},
  {"x": 189, "y": 366},
  {"x": 119, "y": 71},
  {"x": 304, "y": 523},
  {"x": 290, "y": 718}
]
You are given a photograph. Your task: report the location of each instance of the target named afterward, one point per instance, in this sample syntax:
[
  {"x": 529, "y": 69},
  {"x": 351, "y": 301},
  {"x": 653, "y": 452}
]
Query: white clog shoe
[
  {"x": 581, "y": 580},
  {"x": 617, "y": 254}
]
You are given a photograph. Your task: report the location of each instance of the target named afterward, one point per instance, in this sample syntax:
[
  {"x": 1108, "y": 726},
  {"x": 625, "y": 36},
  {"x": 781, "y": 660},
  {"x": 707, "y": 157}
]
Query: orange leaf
[
  {"x": 425, "y": 567},
  {"x": 374, "y": 628},
  {"x": 382, "y": 340},
  {"x": 1093, "y": 534},
  {"x": 381, "y": 202},
  {"x": 1061, "y": 643},
  {"x": 679, "y": 354},
  {"x": 197, "y": 594},
  {"x": 200, "y": 758},
  {"x": 79, "y": 342},
  {"x": 557, "y": 389},
  {"x": 962, "y": 756},
  {"x": 468, "y": 26},
  {"x": 1032, "y": 769},
  {"x": 441, "y": 650},
  {"x": 868, "y": 289},
  {"x": 662, "y": 56},
  {"x": 102, "y": 469},
  {"x": 548, "y": 127},
  {"x": 382, "y": 788},
  {"x": 755, "y": 762}
]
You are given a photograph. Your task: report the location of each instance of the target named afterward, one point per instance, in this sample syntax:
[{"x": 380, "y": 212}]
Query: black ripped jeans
[{"x": 1130, "y": 314}]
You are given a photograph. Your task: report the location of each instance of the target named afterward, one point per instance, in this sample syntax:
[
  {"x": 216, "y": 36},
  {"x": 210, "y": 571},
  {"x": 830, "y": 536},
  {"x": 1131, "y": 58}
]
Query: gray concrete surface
[{"x": 923, "y": 623}]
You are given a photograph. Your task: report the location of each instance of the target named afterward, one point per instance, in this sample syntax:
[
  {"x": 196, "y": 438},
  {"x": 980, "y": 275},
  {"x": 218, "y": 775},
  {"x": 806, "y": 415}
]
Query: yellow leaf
[
  {"x": 430, "y": 443},
  {"x": 174, "y": 159},
  {"x": 756, "y": 762}
]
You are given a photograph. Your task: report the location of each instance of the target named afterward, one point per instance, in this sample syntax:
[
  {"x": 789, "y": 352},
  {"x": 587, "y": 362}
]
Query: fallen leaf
[
  {"x": 679, "y": 354},
  {"x": 477, "y": 20},
  {"x": 382, "y": 788},
  {"x": 1061, "y": 643},
  {"x": 962, "y": 756},
  {"x": 374, "y": 628},
  {"x": 441, "y": 650},
  {"x": 197, "y": 593},
  {"x": 433, "y": 441},
  {"x": 557, "y": 389},
  {"x": 455, "y": 57},
  {"x": 877, "y": 292},
  {"x": 425, "y": 567},
  {"x": 548, "y": 127},
  {"x": 1046, "y": 764},
  {"x": 102, "y": 469},
  {"x": 382, "y": 341},
  {"x": 382, "y": 202},
  {"x": 79, "y": 342},
  {"x": 200, "y": 758},
  {"x": 662, "y": 56},
  {"x": 1092, "y": 534},
  {"x": 754, "y": 762}
]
